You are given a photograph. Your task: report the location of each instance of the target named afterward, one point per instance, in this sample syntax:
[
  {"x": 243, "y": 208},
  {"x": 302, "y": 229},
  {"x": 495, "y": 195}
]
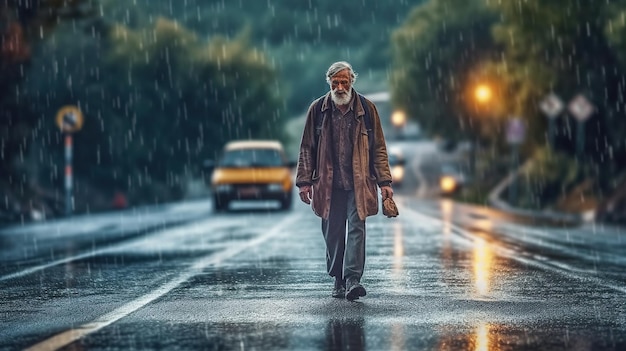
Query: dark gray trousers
[{"x": 345, "y": 251}]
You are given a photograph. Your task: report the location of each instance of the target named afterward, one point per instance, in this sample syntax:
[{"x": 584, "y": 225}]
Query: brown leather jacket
[{"x": 320, "y": 175}]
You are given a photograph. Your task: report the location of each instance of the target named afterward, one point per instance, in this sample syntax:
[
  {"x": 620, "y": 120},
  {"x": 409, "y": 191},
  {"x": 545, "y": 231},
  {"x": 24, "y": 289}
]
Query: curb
[{"x": 495, "y": 200}]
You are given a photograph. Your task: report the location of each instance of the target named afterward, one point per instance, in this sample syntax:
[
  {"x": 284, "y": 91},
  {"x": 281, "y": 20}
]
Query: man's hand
[
  {"x": 386, "y": 191},
  {"x": 305, "y": 194}
]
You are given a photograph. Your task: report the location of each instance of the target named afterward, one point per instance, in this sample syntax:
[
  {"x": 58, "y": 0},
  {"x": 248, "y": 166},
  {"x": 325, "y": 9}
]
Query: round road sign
[{"x": 69, "y": 119}]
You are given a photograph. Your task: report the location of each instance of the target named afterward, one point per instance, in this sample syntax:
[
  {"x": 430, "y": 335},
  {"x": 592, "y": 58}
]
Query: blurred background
[{"x": 533, "y": 88}]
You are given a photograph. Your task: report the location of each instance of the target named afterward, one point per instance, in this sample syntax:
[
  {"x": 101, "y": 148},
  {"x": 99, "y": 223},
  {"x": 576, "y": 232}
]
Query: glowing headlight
[
  {"x": 447, "y": 183},
  {"x": 275, "y": 187},
  {"x": 397, "y": 173}
]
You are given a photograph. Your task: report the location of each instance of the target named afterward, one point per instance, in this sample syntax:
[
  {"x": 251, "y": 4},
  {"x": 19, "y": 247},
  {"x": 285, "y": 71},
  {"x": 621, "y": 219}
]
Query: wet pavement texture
[
  {"x": 442, "y": 276},
  {"x": 431, "y": 285}
]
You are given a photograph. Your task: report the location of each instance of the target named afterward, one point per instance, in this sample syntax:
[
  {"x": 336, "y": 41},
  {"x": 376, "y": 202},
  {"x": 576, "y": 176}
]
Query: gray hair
[{"x": 338, "y": 67}]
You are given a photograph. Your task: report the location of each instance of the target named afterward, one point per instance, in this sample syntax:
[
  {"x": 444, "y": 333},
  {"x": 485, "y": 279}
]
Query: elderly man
[{"x": 343, "y": 158}]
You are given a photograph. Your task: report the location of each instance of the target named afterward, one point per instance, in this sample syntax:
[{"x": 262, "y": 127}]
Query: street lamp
[
  {"x": 482, "y": 95},
  {"x": 398, "y": 120}
]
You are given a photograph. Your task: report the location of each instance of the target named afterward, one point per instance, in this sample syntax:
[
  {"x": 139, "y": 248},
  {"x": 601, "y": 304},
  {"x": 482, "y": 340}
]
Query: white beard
[{"x": 341, "y": 100}]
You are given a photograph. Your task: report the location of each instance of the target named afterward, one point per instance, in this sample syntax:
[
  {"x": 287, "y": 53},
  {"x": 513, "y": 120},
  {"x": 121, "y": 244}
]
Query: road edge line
[{"x": 69, "y": 336}]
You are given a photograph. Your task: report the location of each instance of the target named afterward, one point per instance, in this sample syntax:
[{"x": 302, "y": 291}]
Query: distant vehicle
[
  {"x": 451, "y": 179},
  {"x": 252, "y": 170},
  {"x": 396, "y": 165},
  {"x": 410, "y": 131},
  {"x": 447, "y": 145}
]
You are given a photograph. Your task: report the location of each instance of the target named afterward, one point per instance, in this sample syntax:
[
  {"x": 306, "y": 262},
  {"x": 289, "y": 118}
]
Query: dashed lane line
[{"x": 67, "y": 337}]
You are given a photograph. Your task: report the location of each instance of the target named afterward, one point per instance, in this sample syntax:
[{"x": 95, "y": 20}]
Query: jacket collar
[{"x": 358, "y": 108}]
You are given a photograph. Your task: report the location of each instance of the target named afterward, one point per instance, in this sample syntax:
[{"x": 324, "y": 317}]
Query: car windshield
[
  {"x": 393, "y": 159},
  {"x": 251, "y": 158}
]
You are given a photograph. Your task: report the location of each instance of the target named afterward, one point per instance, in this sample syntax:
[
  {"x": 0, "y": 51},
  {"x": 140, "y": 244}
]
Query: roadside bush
[{"x": 547, "y": 177}]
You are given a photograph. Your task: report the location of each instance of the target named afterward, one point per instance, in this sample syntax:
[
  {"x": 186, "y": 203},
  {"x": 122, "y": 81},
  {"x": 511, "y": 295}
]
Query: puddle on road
[{"x": 351, "y": 334}]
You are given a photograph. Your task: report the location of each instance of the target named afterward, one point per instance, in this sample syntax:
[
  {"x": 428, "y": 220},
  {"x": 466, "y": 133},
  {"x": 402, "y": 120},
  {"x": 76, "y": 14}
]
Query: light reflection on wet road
[
  {"x": 442, "y": 276},
  {"x": 429, "y": 288}
]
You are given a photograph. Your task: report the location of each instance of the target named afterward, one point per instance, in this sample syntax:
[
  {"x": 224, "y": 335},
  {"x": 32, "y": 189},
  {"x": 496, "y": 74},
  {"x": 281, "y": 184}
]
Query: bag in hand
[{"x": 389, "y": 208}]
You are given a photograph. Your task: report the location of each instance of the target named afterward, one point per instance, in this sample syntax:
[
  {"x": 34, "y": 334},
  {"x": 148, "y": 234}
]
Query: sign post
[
  {"x": 581, "y": 109},
  {"x": 551, "y": 106},
  {"x": 69, "y": 119},
  {"x": 515, "y": 135}
]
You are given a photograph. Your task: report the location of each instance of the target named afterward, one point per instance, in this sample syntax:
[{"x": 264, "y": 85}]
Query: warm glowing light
[
  {"x": 398, "y": 273},
  {"x": 483, "y": 264},
  {"x": 447, "y": 184},
  {"x": 446, "y": 208},
  {"x": 397, "y": 173},
  {"x": 398, "y": 246},
  {"x": 483, "y": 93},
  {"x": 446, "y": 213},
  {"x": 398, "y": 118},
  {"x": 482, "y": 338}
]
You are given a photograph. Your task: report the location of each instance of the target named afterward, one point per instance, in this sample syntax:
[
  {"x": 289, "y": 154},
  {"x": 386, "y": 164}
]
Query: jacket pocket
[
  {"x": 366, "y": 134},
  {"x": 370, "y": 195}
]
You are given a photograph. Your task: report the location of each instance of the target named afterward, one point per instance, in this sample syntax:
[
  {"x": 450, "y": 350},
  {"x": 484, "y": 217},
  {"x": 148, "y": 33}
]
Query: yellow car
[{"x": 252, "y": 170}]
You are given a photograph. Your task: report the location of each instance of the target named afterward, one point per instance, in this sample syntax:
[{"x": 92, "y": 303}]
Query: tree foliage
[
  {"x": 523, "y": 50},
  {"x": 23, "y": 25},
  {"x": 440, "y": 51},
  {"x": 568, "y": 48},
  {"x": 302, "y": 38},
  {"x": 163, "y": 84},
  {"x": 157, "y": 101}
]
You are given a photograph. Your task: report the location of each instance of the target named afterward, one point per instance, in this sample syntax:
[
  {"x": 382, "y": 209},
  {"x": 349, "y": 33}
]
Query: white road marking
[
  {"x": 537, "y": 261},
  {"x": 52, "y": 264},
  {"x": 141, "y": 242},
  {"x": 65, "y": 338}
]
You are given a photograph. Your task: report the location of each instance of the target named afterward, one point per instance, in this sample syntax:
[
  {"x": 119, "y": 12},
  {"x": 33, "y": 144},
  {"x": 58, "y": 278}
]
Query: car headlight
[
  {"x": 397, "y": 173},
  {"x": 275, "y": 187},
  {"x": 447, "y": 184},
  {"x": 223, "y": 188}
]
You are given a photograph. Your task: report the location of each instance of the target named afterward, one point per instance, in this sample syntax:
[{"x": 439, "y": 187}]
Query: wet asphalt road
[{"x": 442, "y": 276}]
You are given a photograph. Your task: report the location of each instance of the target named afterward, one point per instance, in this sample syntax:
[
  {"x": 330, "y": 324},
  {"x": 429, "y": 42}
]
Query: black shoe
[
  {"x": 339, "y": 290},
  {"x": 355, "y": 290}
]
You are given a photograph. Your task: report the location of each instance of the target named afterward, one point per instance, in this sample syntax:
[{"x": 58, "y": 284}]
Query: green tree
[
  {"x": 523, "y": 50},
  {"x": 23, "y": 26},
  {"x": 158, "y": 101},
  {"x": 302, "y": 37},
  {"x": 568, "y": 48},
  {"x": 440, "y": 52}
]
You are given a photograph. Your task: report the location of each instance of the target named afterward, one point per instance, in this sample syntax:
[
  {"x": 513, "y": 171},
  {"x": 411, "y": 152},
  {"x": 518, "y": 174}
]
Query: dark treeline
[
  {"x": 301, "y": 37},
  {"x": 523, "y": 50},
  {"x": 163, "y": 85}
]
